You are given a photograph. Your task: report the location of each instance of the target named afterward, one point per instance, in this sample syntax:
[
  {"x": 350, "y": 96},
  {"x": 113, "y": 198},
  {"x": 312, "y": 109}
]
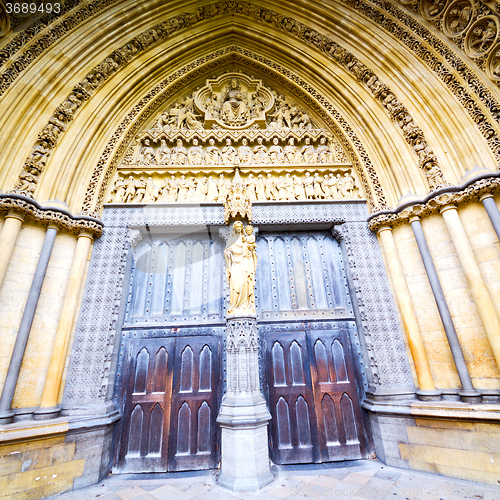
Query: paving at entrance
[{"x": 360, "y": 480}]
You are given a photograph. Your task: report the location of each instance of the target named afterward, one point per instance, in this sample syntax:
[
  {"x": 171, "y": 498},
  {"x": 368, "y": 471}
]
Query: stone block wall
[{"x": 440, "y": 442}]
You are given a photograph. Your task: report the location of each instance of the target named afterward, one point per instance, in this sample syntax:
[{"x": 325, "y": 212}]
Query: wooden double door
[
  {"x": 171, "y": 382},
  {"x": 171, "y": 405},
  {"x": 313, "y": 398}
]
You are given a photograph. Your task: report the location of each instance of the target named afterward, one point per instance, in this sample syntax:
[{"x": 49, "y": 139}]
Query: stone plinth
[{"x": 243, "y": 416}]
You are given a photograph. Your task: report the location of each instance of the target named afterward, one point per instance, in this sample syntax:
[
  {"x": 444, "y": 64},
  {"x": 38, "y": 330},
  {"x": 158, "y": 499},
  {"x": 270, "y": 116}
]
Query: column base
[
  {"x": 46, "y": 413},
  {"x": 434, "y": 395},
  {"x": 6, "y": 417},
  {"x": 244, "y": 442},
  {"x": 470, "y": 396}
]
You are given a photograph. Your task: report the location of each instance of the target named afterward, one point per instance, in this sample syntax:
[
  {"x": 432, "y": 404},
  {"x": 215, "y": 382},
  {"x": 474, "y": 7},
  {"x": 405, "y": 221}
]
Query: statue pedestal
[
  {"x": 243, "y": 416},
  {"x": 244, "y": 443}
]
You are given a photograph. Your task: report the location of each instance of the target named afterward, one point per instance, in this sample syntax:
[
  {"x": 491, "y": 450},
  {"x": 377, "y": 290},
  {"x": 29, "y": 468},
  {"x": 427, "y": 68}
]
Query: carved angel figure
[{"x": 241, "y": 263}]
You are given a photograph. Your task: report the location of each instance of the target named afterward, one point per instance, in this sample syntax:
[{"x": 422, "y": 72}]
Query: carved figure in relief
[
  {"x": 223, "y": 189},
  {"x": 308, "y": 152},
  {"x": 283, "y": 116},
  {"x": 118, "y": 189},
  {"x": 261, "y": 188},
  {"x": 422, "y": 150},
  {"x": 281, "y": 186},
  {"x": 291, "y": 152},
  {"x": 483, "y": 36},
  {"x": 151, "y": 191},
  {"x": 251, "y": 188},
  {"x": 258, "y": 104},
  {"x": 245, "y": 153},
  {"x": 324, "y": 153},
  {"x": 325, "y": 186},
  {"x": 191, "y": 194},
  {"x": 348, "y": 185},
  {"x": 189, "y": 120},
  {"x": 228, "y": 153},
  {"x": 234, "y": 108},
  {"x": 260, "y": 152},
  {"x": 195, "y": 154},
  {"x": 241, "y": 261},
  {"x": 179, "y": 154},
  {"x": 276, "y": 152},
  {"x": 163, "y": 191},
  {"x": 458, "y": 18},
  {"x": 319, "y": 194},
  {"x": 288, "y": 182},
  {"x": 202, "y": 189},
  {"x": 308, "y": 185},
  {"x": 301, "y": 121},
  {"x": 434, "y": 176},
  {"x": 27, "y": 180},
  {"x": 140, "y": 189},
  {"x": 173, "y": 189},
  {"x": 332, "y": 184},
  {"x": 163, "y": 153},
  {"x": 434, "y": 7},
  {"x": 40, "y": 153},
  {"x": 340, "y": 186},
  {"x": 212, "y": 106},
  {"x": 298, "y": 188},
  {"x": 129, "y": 191},
  {"x": 213, "y": 155},
  {"x": 147, "y": 154},
  {"x": 271, "y": 190},
  {"x": 183, "y": 189},
  {"x": 212, "y": 191}
]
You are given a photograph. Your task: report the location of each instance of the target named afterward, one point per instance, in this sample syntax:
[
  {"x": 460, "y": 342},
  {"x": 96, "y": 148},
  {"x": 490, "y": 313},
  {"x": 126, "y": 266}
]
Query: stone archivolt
[{"x": 49, "y": 136}]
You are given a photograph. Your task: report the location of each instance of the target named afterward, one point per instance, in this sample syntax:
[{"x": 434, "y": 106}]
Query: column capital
[
  {"x": 444, "y": 209},
  {"x": 484, "y": 196},
  {"x": 15, "y": 214},
  {"x": 384, "y": 228},
  {"x": 414, "y": 218}
]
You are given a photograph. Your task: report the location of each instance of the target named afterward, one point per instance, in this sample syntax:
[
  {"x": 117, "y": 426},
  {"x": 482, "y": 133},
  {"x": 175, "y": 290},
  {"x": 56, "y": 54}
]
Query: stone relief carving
[
  {"x": 254, "y": 185},
  {"x": 241, "y": 263}
]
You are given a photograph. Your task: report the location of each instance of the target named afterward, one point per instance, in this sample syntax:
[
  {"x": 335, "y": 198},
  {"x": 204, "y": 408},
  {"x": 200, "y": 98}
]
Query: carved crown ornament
[{"x": 197, "y": 146}]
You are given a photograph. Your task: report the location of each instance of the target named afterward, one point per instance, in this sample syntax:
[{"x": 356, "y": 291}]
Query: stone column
[
  {"x": 49, "y": 406},
  {"x": 477, "y": 286},
  {"x": 243, "y": 415},
  {"x": 24, "y": 329},
  {"x": 8, "y": 237},
  {"x": 427, "y": 390},
  {"x": 491, "y": 208},
  {"x": 468, "y": 393}
]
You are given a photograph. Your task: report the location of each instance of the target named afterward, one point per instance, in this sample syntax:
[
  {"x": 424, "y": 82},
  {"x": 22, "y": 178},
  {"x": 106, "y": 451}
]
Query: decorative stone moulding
[
  {"x": 470, "y": 190},
  {"x": 50, "y": 214}
]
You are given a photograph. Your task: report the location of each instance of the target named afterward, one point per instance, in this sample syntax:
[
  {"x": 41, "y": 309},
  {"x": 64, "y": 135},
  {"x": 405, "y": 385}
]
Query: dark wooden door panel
[
  {"x": 193, "y": 434},
  {"x": 340, "y": 426},
  {"x": 291, "y": 400},
  {"x": 146, "y": 416},
  {"x": 313, "y": 397}
]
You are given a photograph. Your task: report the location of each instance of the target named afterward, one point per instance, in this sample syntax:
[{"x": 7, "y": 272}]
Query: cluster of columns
[
  {"x": 477, "y": 286},
  {"x": 49, "y": 407}
]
